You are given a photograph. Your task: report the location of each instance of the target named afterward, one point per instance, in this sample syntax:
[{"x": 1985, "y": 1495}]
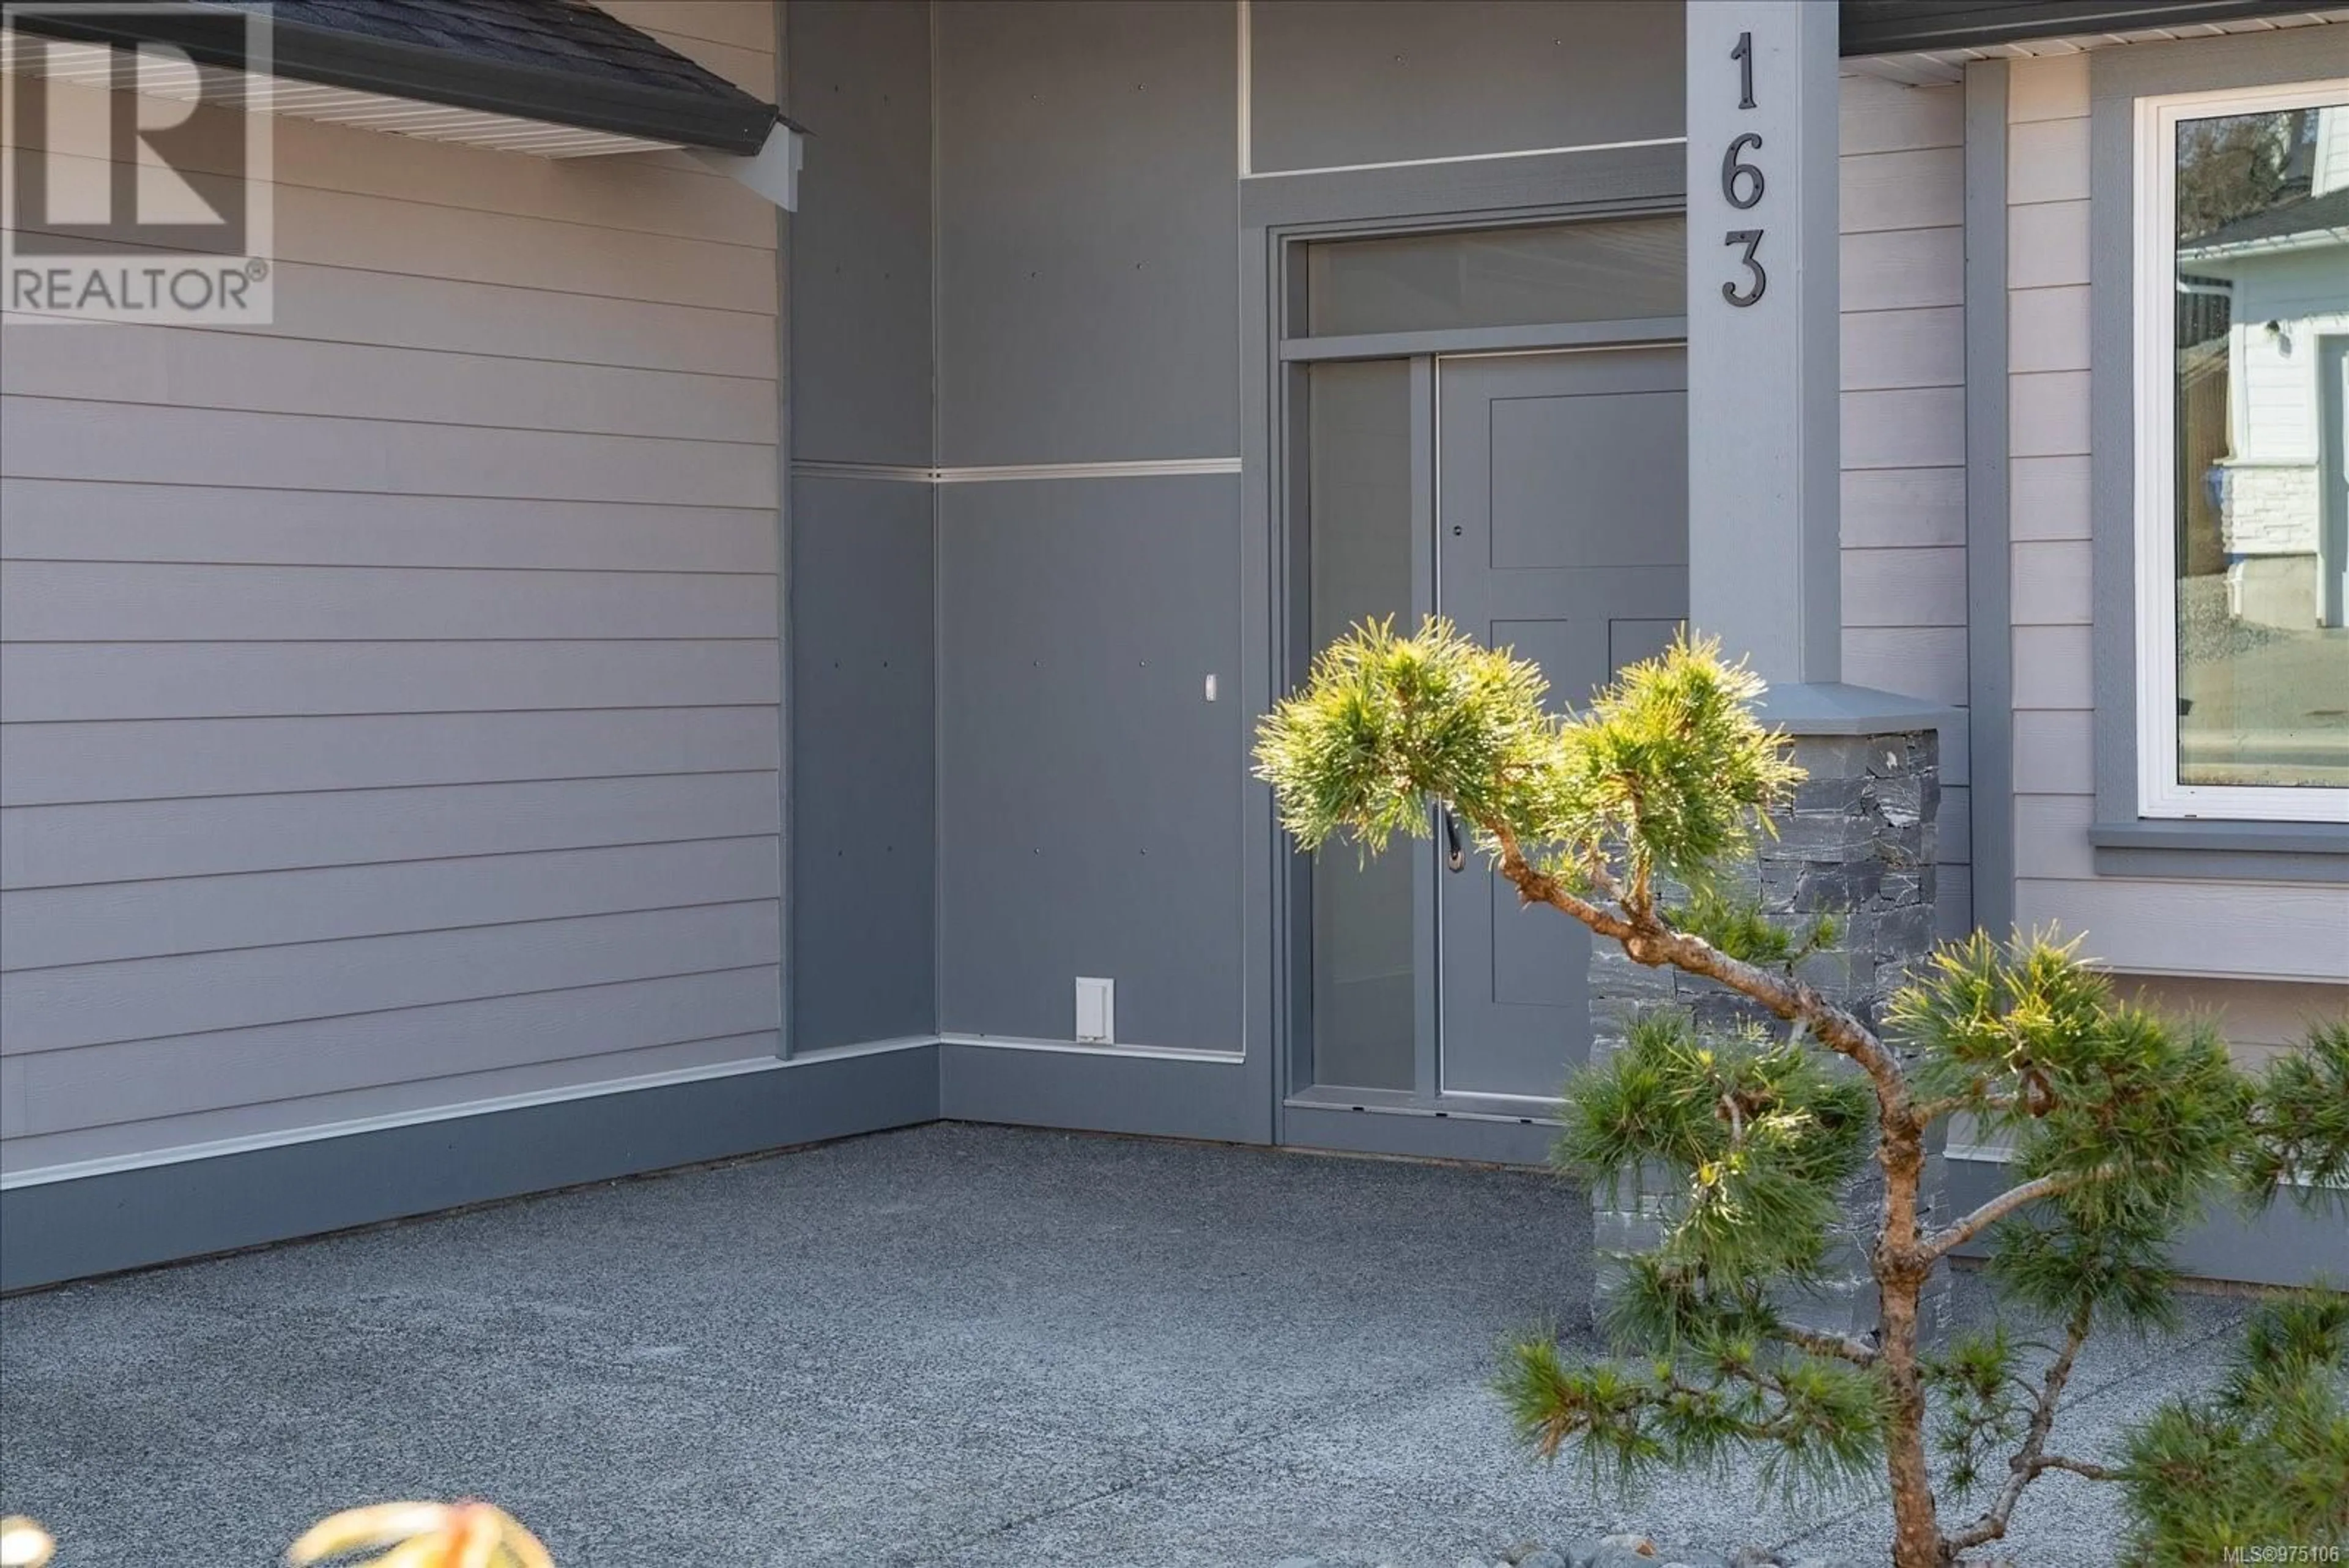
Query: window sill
[{"x": 2222, "y": 851}]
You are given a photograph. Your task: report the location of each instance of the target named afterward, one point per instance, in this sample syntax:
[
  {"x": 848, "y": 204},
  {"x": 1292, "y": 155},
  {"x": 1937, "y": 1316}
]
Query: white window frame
[{"x": 2159, "y": 794}]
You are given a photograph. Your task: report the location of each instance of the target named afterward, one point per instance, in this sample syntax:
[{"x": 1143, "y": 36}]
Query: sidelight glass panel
[
  {"x": 1618, "y": 270},
  {"x": 1359, "y": 545},
  {"x": 2261, "y": 389}
]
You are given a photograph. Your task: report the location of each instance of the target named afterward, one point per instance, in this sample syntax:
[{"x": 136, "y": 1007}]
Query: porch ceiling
[{"x": 1930, "y": 66}]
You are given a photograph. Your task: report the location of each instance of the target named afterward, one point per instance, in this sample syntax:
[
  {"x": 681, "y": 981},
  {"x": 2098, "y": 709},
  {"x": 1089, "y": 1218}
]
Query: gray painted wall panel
[
  {"x": 1091, "y": 796},
  {"x": 1087, "y": 232},
  {"x": 861, "y": 241},
  {"x": 1104, "y": 1091},
  {"x": 864, "y": 765},
  {"x": 1366, "y": 81}
]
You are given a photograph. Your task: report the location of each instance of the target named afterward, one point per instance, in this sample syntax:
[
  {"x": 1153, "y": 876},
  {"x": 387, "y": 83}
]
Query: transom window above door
[{"x": 1617, "y": 269}]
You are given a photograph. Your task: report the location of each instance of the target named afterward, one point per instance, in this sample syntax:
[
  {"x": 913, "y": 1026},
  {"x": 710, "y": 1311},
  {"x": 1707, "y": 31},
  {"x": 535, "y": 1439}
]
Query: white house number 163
[{"x": 1742, "y": 185}]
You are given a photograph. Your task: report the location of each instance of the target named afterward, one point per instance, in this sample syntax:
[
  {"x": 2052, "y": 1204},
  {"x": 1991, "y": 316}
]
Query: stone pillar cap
[{"x": 1832, "y": 707}]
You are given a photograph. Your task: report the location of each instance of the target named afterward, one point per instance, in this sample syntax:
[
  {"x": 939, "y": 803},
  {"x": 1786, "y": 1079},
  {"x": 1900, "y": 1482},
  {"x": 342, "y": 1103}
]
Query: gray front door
[{"x": 1561, "y": 530}]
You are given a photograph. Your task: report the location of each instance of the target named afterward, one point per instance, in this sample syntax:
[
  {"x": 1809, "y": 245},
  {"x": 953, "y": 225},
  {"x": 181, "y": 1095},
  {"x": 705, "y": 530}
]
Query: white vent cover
[{"x": 1096, "y": 1011}]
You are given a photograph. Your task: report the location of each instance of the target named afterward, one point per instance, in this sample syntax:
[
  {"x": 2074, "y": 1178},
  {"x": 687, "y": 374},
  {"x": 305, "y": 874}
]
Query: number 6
[{"x": 1733, "y": 169}]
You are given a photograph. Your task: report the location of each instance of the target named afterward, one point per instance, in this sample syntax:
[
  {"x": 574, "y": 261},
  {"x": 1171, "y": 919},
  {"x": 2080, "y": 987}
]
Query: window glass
[
  {"x": 2261, "y": 389},
  {"x": 1623, "y": 270},
  {"x": 1361, "y": 542}
]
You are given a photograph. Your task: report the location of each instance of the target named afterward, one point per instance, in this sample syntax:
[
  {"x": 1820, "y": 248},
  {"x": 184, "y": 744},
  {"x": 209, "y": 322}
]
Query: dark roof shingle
[{"x": 562, "y": 61}]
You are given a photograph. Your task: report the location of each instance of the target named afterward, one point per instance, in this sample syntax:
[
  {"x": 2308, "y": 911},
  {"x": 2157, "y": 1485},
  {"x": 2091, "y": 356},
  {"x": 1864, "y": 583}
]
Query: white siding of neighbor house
[
  {"x": 2281, "y": 930},
  {"x": 389, "y": 708},
  {"x": 1904, "y": 427}
]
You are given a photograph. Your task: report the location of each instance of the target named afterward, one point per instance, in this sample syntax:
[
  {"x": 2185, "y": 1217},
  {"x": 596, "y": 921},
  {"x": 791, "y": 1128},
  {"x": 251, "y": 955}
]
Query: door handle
[{"x": 1455, "y": 856}]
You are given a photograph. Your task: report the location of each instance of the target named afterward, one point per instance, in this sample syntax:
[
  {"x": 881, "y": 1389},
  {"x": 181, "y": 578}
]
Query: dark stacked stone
[{"x": 1859, "y": 845}]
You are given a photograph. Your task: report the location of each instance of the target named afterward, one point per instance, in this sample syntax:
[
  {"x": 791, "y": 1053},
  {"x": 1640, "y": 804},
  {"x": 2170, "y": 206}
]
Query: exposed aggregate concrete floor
[{"x": 954, "y": 1344}]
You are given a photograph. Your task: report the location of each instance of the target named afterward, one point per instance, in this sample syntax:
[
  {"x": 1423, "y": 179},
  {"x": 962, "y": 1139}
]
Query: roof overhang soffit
[{"x": 382, "y": 84}]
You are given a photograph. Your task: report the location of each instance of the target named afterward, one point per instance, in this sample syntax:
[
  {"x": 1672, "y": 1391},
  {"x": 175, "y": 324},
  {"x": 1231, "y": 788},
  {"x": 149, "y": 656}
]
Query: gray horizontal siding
[
  {"x": 73, "y": 846},
  {"x": 135, "y": 1080},
  {"x": 73, "y": 438},
  {"x": 61, "y": 764},
  {"x": 90, "y": 1004},
  {"x": 67, "y": 682},
  {"x": 642, "y": 193},
  {"x": 349, "y": 304},
  {"x": 75, "y": 601},
  {"x": 415, "y": 239},
  {"x": 390, "y": 709},
  {"x": 257, "y": 373},
  {"x": 263, "y": 1118},
  {"x": 110, "y": 920},
  {"x": 95, "y": 520},
  {"x": 1902, "y": 216}
]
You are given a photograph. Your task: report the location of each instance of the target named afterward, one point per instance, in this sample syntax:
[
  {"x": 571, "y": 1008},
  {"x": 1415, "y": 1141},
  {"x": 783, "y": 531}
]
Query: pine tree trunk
[
  {"x": 1915, "y": 1524},
  {"x": 1901, "y": 1270}
]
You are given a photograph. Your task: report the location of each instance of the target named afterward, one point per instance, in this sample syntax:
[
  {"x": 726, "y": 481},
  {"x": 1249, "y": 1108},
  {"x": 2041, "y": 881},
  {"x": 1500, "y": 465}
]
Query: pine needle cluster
[
  {"x": 1669, "y": 770},
  {"x": 2263, "y": 1462}
]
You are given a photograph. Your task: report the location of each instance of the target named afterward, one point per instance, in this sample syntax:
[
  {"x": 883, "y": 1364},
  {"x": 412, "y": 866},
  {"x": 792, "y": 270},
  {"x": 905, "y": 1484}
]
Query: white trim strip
[
  {"x": 252, "y": 1142},
  {"x": 1069, "y": 1047},
  {"x": 1467, "y": 158},
  {"x": 1143, "y": 468},
  {"x": 880, "y": 471}
]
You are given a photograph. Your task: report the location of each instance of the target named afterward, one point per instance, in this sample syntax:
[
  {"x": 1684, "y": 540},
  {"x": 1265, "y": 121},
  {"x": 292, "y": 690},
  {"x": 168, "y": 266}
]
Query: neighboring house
[
  {"x": 617, "y": 676},
  {"x": 2283, "y": 274}
]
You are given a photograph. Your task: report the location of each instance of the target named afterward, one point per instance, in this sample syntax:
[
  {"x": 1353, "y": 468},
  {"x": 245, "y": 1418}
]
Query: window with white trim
[{"x": 2242, "y": 453}]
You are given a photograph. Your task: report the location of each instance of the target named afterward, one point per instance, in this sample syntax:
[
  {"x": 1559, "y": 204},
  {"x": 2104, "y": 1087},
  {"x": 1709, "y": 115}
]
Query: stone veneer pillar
[{"x": 1859, "y": 845}]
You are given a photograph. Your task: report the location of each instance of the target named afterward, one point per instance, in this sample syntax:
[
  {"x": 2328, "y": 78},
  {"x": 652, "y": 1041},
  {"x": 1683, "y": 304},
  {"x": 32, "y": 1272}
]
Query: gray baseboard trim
[
  {"x": 1418, "y": 1136},
  {"x": 1104, "y": 1091},
  {"x": 2284, "y": 1245},
  {"x": 157, "y": 1213}
]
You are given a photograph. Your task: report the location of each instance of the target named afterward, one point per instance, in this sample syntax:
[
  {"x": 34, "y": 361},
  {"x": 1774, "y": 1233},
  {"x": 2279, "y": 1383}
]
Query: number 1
[{"x": 1743, "y": 56}]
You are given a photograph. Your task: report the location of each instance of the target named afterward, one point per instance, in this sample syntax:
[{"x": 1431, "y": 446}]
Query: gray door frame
[{"x": 1278, "y": 214}]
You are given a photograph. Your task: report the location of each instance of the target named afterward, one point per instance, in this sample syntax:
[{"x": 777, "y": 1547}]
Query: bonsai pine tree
[{"x": 2123, "y": 1127}]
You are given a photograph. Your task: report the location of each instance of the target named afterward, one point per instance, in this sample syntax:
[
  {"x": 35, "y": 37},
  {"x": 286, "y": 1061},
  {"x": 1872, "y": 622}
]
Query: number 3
[{"x": 1751, "y": 239}]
